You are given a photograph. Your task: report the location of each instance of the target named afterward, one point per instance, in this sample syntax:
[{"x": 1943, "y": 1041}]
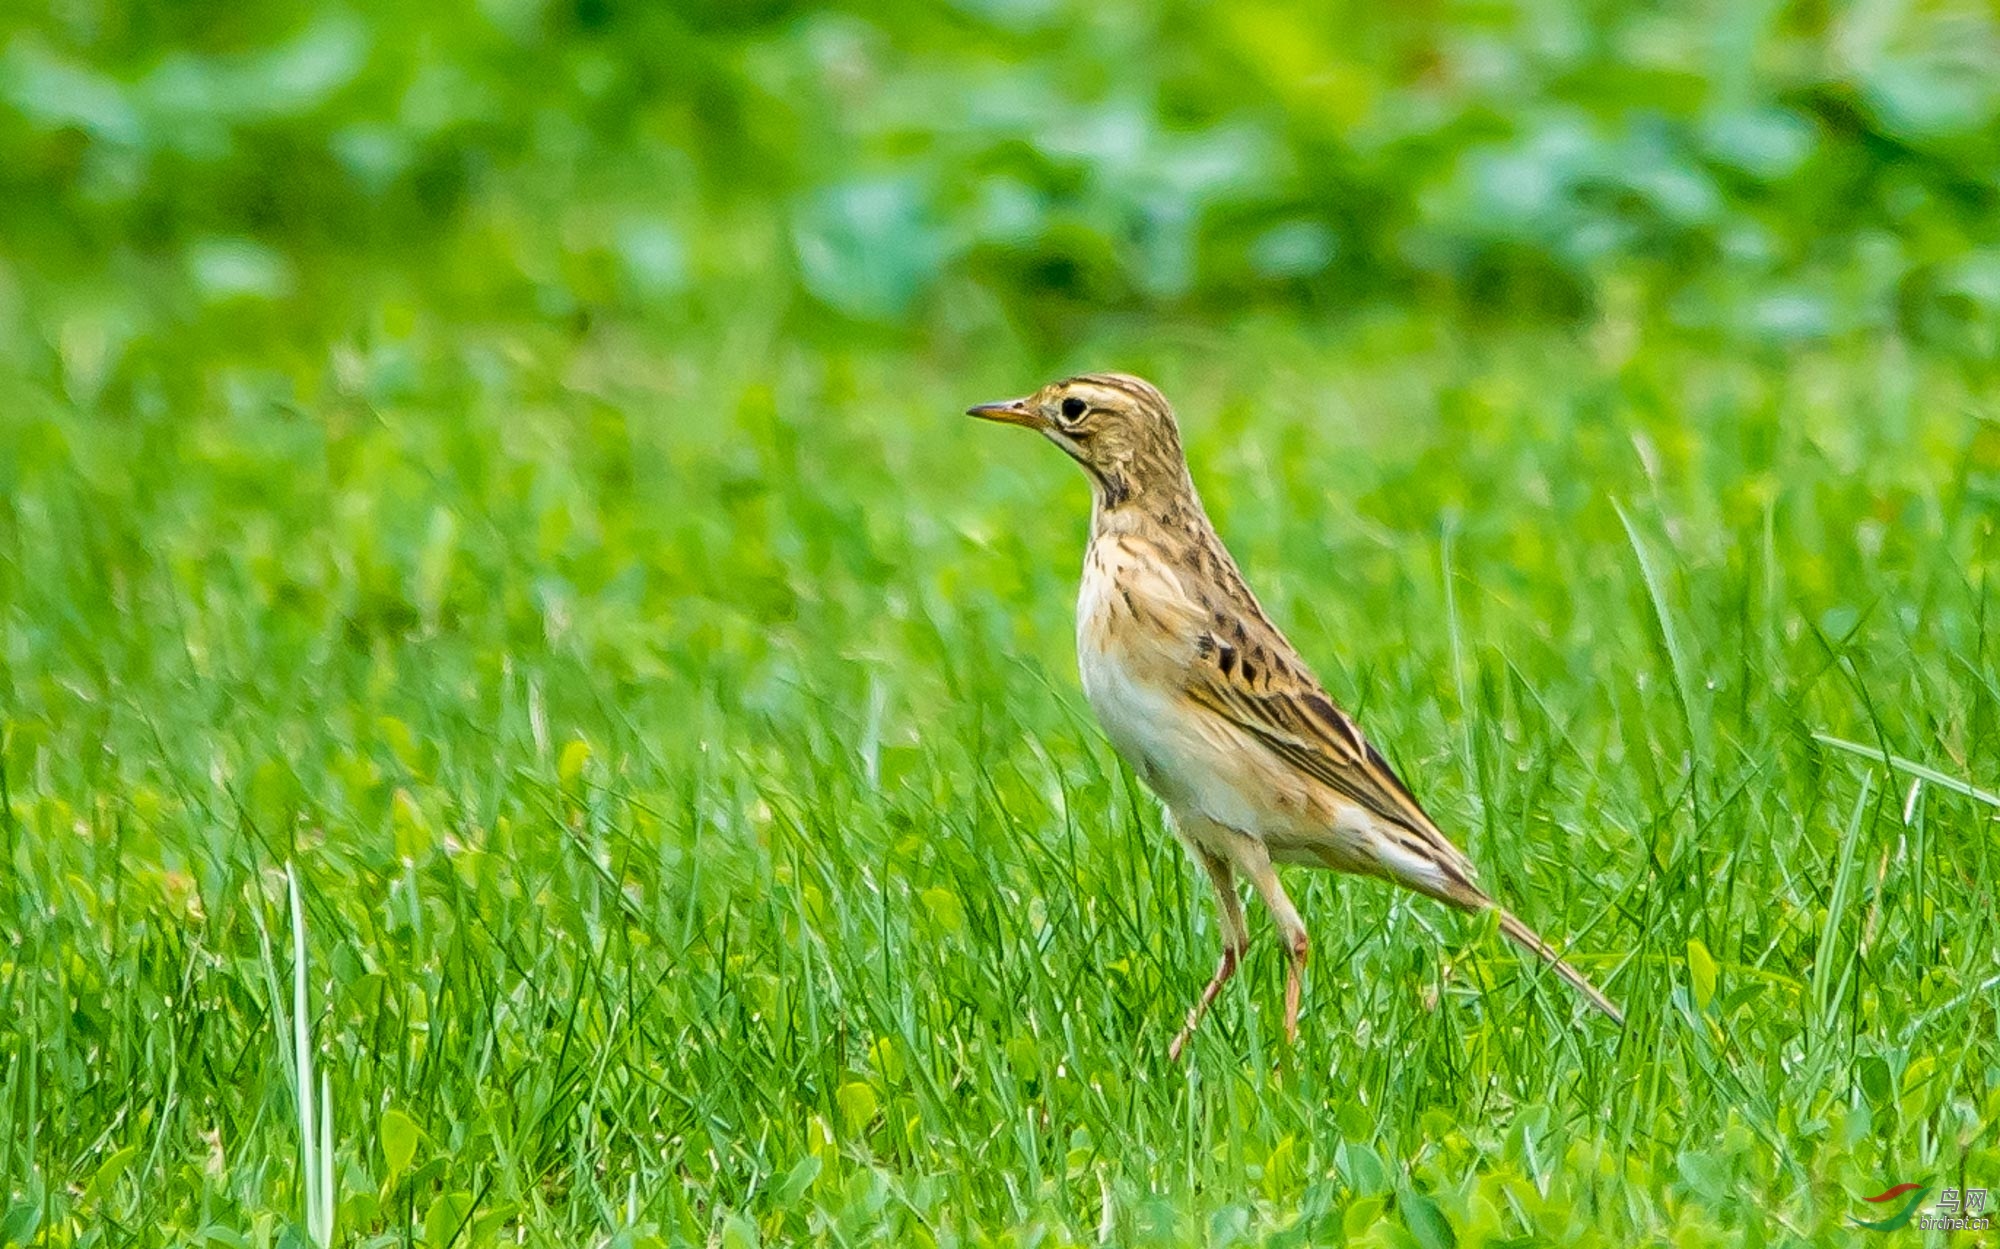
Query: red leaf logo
[{"x": 1892, "y": 1194}]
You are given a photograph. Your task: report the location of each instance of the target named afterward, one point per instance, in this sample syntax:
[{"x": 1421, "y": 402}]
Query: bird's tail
[{"x": 1528, "y": 939}]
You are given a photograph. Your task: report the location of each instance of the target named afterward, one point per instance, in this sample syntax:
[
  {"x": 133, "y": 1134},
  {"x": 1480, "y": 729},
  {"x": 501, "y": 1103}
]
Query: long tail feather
[{"x": 1528, "y": 939}]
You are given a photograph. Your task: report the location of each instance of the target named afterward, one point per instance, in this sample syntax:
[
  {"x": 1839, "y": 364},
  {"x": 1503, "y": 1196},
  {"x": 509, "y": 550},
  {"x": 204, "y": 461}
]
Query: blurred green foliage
[{"x": 1765, "y": 171}]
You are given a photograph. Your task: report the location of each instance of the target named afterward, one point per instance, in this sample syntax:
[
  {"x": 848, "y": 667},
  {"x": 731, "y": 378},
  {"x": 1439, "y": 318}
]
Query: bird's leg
[
  {"x": 1235, "y": 939},
  {"x": 1294, "y": 978},
  {"x": 1291, "y": 929}
]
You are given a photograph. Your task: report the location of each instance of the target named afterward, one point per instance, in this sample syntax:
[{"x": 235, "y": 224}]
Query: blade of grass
[
  {"x": 1910, "y": 767},
  {"x": 1843, "y": 876},
  {"x": 315, "y": 1127},
  {"x": 1649, "y": 572}
]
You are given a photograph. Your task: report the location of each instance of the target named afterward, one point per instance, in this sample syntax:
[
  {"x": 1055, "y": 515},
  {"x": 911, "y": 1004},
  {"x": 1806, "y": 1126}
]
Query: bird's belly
[{"x": 1181, "y": 753}]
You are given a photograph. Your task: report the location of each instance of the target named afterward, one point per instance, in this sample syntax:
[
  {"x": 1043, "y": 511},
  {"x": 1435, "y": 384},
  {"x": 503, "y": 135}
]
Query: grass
[{"x": 702, "y": 840}]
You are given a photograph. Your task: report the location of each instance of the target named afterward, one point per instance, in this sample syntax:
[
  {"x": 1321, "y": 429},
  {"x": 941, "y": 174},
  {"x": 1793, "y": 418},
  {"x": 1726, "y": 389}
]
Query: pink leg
[
  {"x": 1291, "y": 930},
  {"x": 1235, "y": 938},
  {"x": 1294, "y": 978}
]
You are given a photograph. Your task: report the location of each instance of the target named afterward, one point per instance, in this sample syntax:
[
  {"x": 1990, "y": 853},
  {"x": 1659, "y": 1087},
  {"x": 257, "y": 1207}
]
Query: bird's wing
[{"x": 1258, "y": 685}]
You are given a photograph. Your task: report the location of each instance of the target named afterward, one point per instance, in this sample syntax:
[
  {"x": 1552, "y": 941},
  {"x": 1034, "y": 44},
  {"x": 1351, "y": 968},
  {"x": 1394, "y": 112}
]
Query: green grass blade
[
  {"x": 1680, "y": 668},
  {"x": 1910, "y": 767},
  {"x": 1826, "y": 960}
]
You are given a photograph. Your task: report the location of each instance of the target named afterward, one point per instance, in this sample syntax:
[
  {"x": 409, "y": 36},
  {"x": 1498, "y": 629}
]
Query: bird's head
[{"x": 1117, "y": 426}]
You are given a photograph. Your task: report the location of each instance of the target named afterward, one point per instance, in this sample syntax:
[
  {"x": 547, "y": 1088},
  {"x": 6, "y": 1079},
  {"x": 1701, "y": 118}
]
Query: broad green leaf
[
  {"x": 739, "y": 1231},
  {"x": 795, "y": 1183},
  {"x": 1362, "y": 1214},
  {"x": 108, "y": 1175},
  {"x": 1426, "y": 1221},
  {"x": 18, "y": 1228},
  {"x": 857, "y": 1106},
  {"x": 1361, "y": 1167},
  {"x": 943, "y": 909},
  {"x": 569, "y": 766},
  {"x": 448, "y": 1214},
  {"x": 1701, "y": 973},
  {"x": 399, "y": 1144},
  {"x": 1281, "y": 1168}
]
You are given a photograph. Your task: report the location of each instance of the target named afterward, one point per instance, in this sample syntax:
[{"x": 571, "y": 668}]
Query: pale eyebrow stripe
[{"x": 1132, "y": 387}]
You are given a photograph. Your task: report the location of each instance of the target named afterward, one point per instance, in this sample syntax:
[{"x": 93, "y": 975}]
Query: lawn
[
  {"x": 486, "y": 506},
  {"x": 702, "y": 838}
]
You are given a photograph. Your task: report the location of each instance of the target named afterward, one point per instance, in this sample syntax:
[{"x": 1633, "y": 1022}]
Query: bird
[{"x": 1214, "y": 710}]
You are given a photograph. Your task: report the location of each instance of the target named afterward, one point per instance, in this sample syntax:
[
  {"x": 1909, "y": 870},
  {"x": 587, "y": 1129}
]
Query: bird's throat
[
  {"x": 1120, "y": 504},
  {"x": 1110, "y": 489}
]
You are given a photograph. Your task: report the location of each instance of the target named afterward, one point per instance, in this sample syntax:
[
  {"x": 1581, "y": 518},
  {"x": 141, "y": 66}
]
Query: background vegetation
[{"x": 502, "y": 458}]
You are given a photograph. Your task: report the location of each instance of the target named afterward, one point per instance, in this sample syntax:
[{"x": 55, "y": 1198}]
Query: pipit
[{"x": 1213, "y": 708}]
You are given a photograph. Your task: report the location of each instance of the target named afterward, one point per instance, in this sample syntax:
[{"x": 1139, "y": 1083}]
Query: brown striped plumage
[{"x": 1210, "y": 704}]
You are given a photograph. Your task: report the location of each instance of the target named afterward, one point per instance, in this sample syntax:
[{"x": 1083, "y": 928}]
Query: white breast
[{"x": 1128, "y": 672}]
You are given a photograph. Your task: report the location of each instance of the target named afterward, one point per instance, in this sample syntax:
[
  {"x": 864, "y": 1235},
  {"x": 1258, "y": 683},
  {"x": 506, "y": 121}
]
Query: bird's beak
[{"x": 1008, "y": 412}]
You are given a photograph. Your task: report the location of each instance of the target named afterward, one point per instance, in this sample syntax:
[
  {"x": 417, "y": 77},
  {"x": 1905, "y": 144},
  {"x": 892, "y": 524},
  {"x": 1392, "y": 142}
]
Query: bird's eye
[{"x": 1073, "y": 408}]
